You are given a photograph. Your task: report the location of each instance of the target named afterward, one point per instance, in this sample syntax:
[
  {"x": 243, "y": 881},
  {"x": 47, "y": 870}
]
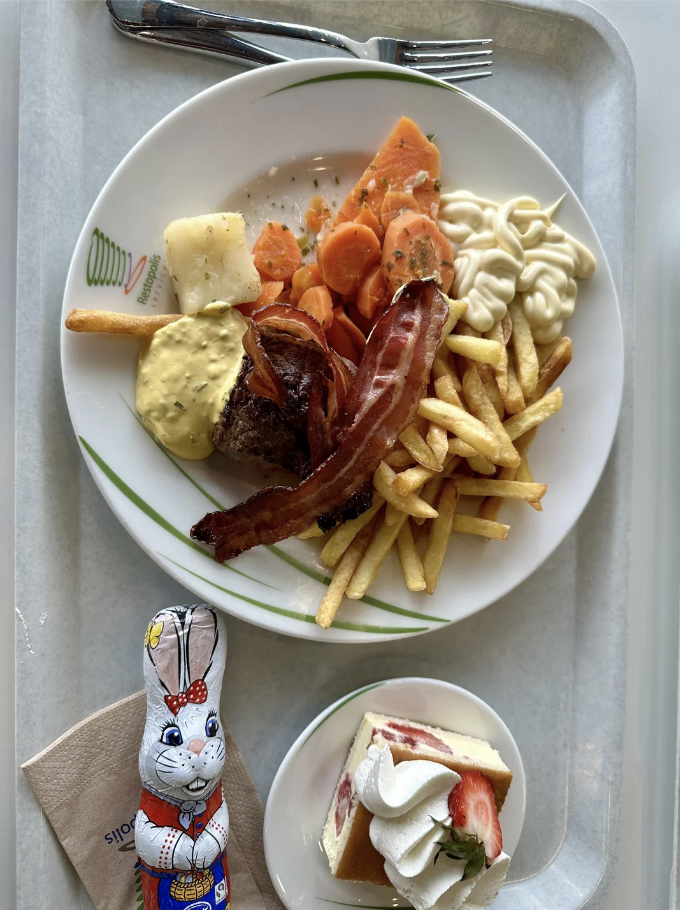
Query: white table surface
[{"x": 651, "y": 29}]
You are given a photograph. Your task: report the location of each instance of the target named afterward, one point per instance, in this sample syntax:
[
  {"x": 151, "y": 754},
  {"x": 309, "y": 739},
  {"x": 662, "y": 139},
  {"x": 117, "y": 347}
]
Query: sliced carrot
[
  {"x": 345, "y": 253},
  {"x": 317, "y": 302},
  {"x": 318, "y": 214},
  {"x": 306, "y": 277},
  {"x": 284, "y": 296},
  {"x": 270, "y": 291},
  {"x": 415, "y": 248},
  {"x": 276, "y": 254},
  {"x": 367, "y": 217},
  {"x": 405, "y": 153},
  {"x": 359, "y": 320},
  {"x": 356, "y": 336},
  {"x": 372, "y": 291},
  {"x": 340, "y": 341},
  {"x": 423, "y": 198}
]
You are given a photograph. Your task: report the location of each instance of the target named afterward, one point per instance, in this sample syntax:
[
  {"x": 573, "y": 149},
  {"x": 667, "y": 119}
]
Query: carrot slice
[
  {"x": 356, "y": 336},
  {"x": 317, "y": 302},
  {"x": 318, "y": 214},
  {"x": 367, "y": 217},
  {"x": 345, "y": 253},
  {"x": 276, "y": 254},
  {"x": 309, "y": 276},
  {"x": 404, "y": 155},
  {"x": 423, "y": 198},
  {"x": 270, "y": 291},
  {"x": 372, "y": 292},
  {"x": 339, "y": 340},
  {"x": 415, "y": 248}
]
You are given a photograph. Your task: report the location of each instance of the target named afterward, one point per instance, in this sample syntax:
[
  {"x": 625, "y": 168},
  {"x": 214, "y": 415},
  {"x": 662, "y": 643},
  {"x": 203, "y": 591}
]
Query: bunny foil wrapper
[{"x": 182, "y": 826}]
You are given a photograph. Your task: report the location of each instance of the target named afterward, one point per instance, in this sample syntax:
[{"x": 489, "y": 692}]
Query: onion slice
[{"x": 383, "y": 401}]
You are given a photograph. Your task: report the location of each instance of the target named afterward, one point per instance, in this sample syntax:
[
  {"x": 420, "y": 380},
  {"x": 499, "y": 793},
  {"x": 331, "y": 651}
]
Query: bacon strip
[
  {"x": 264, "y": 380},
  {"x": 384, "y": 399}
]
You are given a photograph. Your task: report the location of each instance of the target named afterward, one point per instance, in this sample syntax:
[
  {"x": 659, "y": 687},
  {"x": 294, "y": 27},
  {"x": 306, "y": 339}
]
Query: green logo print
[{"x": 105, "y": 261}]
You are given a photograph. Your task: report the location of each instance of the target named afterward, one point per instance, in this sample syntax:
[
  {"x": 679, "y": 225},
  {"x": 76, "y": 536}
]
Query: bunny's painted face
[{"x": 182, "y": 755}]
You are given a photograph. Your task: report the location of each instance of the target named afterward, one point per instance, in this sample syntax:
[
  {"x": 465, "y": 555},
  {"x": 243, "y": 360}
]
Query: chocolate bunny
[{"x": 182, "y": 825}]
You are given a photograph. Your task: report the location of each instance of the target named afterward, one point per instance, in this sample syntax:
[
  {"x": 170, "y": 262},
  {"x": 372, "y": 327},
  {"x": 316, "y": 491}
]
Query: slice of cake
[{"x": 346, "y": 840}]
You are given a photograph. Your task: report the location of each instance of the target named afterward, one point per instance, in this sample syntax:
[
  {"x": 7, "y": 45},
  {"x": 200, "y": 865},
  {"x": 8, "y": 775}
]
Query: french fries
[
  {"x": 409, "y": 559},
  {"x": 509, "y": 489},
  {"x": 439, "y": 536},
  {"x": 437, "y": 440},
  {"x": 456, "y": 310},
  {"x": 117, "y": 323},
  {"x": 536, "y": 413},
  {"x": 513, "y": 398},
  {"x": 409, "y": 504},
  {"x": 346, "y": 533},
  {"x": 312, "y": 530},
  {"x": 468, "y": 524},
  {"x": 464, "y": 425},
  {"x": 526, "y": 361},
  {"x": 480, "y": 405},
  {"x": 414, "y": 443},
  {"x": 497, "y": 333},
  {"x": 399, "y": 458},
  {"x": 443, "y": 367},
  {"x": 491, "y": 506},
  {"x": 551, "y": 369},
  {"x": 342, "y": 576},
  {"x": 369, "y": 566},
  {"x": 525, "y": 476},
  {"x": 481, "y": 349}
]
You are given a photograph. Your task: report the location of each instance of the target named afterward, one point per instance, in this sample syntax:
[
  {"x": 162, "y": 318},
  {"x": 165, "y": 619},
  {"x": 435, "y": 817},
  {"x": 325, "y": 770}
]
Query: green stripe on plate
[
  {"x": 144, "y": 507},
  {"x": 369, "y": 74},
  {"x": 337, "y": 708},
  {"x": 303, "y": 617}
]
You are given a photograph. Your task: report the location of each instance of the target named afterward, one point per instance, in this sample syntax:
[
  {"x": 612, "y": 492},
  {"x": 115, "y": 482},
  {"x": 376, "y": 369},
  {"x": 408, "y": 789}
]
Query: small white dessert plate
[{"x": 304, "y": 785}]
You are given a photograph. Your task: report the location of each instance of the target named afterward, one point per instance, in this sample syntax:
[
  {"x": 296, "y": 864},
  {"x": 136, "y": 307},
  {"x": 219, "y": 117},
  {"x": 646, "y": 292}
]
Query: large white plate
[
  {"x": 315, "y": 120},
  {"x": 304, "y": 785}
]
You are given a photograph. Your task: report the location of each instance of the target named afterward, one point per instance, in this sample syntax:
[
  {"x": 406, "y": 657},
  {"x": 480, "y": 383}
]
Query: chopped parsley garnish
[
  {"x": 398, "y": 254},
  {"x": 316, "y": 183},
  {"x": 431, "y": 136},
  {"x": 389, "y": 266},
  {"x": 337, "y": 180}
]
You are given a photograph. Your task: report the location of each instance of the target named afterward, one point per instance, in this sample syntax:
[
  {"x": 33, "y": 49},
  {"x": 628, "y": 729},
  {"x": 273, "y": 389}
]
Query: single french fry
[
  {"x": 525, "y": 476},
  {"x": 414, "y": 443},
  {"x": 445, "y": 390},
  {"x": 536, "y": 413},
  {"x": 399, "y": 458},
  {"x": 342, "y": 575},
  {"x": 443, "y": 365},
  {"x": 332, "y": 599},
  {"x": 462, "y": 424},
  {"x": 480, "y": 405},
  {"x": 420, "y": 424},
  {"x": 464, "y": 329},
  {"x": 488, "y": 377},
  {"x": 409, "y": 481},
  {"x": 458, "y": 447},
  {"x": 312, "y": 530},
  {"x": 468, "y": 524},
  {"x": 456, "y": 309},
  {"x": 475, "y": 348},
  {"x": 409, "y": 558},
  {"x": 552, "y": 369},
  {"x": 438, "y": 440},
  {"x": 513, "y": 398},
  {"x": 496, "y": 333},
  {"x": 383, "y": 478},
  {"x": 480, "y": 464},
  {"x": 392, "y": 514},
  {"x": 346, "y": 533},
  {"x": 510, "y": 489},
  {"x": 543, "y": 351},
  {"x": 506, "y": 322},
  {"x": 367, "y": 570},
  {"x": 117, "y": 323},
  {"x": 439, "y": 535},
  {"x": 526, "y": 361}
]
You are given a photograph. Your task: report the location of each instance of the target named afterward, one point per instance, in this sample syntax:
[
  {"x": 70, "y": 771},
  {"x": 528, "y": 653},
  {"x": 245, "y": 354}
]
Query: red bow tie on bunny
[{"x": 197, "y": 693}]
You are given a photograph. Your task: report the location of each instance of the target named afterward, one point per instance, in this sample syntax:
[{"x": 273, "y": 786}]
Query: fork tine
[
  {"x": 412, "y": 59},
  {"x": 441, "y": 69},
  {"x": 466, "y": 77},
  {"x": 442, "y": 45}
]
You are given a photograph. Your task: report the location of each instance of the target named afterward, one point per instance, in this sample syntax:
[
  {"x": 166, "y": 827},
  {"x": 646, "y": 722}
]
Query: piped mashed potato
[
  {"x": 209, "y": 260},
  {"x": 185, "y": 377},
  {"x": 514, "y": 248}
]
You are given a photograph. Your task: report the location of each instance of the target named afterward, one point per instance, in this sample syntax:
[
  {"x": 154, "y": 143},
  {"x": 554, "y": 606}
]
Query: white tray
[{"x": 549, "y": 658}]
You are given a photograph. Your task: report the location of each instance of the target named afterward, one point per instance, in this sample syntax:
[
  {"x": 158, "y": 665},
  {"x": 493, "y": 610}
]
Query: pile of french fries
[{"x": 470, "y": 438}]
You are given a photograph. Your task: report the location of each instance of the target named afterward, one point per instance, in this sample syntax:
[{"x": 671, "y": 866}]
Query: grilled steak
[{"x": 256, "y": 430}]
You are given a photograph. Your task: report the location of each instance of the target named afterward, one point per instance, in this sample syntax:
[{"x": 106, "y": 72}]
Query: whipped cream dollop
[
  {"x": 407, "y": 801},
  {"x": 501, "y": 250}
]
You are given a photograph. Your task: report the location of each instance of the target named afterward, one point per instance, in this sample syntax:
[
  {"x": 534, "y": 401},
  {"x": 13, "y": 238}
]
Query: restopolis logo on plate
[{"x": 108, "y": 263}]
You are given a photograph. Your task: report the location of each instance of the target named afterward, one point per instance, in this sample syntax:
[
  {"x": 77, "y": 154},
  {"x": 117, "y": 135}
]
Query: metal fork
[{"x": 172, "y": 23}]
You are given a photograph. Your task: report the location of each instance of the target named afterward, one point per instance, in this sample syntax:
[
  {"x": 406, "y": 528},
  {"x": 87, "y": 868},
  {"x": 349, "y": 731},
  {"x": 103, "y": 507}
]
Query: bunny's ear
[
  {"x": 202, "y": 638},
  {"x": 165, "y": 650}
]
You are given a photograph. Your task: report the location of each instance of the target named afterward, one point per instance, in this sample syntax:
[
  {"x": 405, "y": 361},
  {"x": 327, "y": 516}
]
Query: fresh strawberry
[{"x": 472, "y": 806}]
